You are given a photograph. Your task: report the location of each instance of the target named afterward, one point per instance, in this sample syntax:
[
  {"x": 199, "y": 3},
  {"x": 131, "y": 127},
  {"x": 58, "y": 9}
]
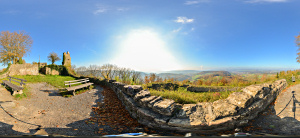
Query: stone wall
[
  {"x": 206, "y": 117},
  {"x": 23, "y": 69},
  {"x": 66, "y": 59},
  {"x": 49, "y": 71}
]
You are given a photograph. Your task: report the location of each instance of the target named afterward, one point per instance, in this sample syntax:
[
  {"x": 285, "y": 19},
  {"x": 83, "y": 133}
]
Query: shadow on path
[{"x": 280, "y": 122}]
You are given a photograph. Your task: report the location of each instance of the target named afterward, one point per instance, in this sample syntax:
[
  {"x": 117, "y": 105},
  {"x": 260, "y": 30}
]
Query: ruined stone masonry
[
  {"x": 23, "y": 69},
  {"x": 206, "y": 117},
  {"x": 66, "y": 59}
]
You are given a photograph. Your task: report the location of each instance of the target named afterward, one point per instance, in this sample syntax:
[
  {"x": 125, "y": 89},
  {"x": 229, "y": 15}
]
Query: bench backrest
[
  {"x": 76, "y": 81},
  {"x": 21, "y": 81}
]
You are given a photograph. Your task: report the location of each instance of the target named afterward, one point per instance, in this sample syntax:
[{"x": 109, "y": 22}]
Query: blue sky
[{"x": 155, "y": 35}]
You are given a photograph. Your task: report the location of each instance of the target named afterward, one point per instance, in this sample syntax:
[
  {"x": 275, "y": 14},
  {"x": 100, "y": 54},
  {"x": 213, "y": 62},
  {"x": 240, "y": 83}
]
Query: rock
[
  {"x": 180, "y": 122},
  {"x": 151, "y": 103},
  {"x": 201, "y": 115},
  {"x": 131, "y": 90},
  {"x": 186, "y": 110},
  {"x": 252, "y": 111},
  {"x": 164, "y": 107},
  {"x": 145, "y": 116},
  {"x": 223, "y": 108},
  {"x": 197, "y": 114},
  {"x": 141, "y": 94},
  {"x": 130, "y": 105},
  {"x": 145, "y": 101},
  {"x": 240, "y": 99},
  {"x": 111, "y": 81},
  {"x": 256, "y": 91}
]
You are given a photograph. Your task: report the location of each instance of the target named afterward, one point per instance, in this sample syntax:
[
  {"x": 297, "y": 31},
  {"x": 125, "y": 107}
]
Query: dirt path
[
  {"x": 46, "y": 108},
  {"x": 93, "y": 113},
  {"x": 281, "y": 117}
]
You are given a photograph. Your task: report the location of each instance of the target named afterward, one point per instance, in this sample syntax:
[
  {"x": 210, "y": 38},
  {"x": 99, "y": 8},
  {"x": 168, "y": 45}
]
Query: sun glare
[{"x": 144, "y": 50}]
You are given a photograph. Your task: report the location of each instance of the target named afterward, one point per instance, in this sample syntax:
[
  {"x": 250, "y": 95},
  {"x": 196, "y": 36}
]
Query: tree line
[
  {"x": 13, "y": 46},
  {"x": 110, "y": 71}
]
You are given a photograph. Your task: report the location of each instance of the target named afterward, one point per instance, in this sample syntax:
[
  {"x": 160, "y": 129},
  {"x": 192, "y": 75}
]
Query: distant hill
[
  {"x": 181, "y": 71},
  {"x": 179, "y": 77},
  {"x": 208, "y": 74}
]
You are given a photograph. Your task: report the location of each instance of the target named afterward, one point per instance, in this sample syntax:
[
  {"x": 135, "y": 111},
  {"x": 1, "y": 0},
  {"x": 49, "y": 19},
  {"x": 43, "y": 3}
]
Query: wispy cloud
[
  {"x": 122, "y": 9},
  {"x": 177, "y": 30},
  {"x": 266, "y": 1},
  {"x": 184, "y": 20},
  {"x": 100, "y": 9},
  {"x": 11, "y": 12},
  {"x": 103, "y": 9},
  {"x": 195, "y": 2}
]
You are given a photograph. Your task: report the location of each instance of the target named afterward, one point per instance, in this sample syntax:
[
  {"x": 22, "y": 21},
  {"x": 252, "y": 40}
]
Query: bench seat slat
[
  {"x": 13, "y": 86},
  {"x": 77, "y": 80},
  {"x": 18, "y": 81},
  {"x": 17, "y": 78},
  {"x": 79, "y": 86}
]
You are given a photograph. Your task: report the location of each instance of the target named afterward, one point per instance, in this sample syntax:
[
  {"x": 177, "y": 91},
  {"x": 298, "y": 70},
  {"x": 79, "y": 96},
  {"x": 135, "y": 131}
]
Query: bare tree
[
  {"x": 53, "y": 57},
  {"x": 94, "y": 70},
  {"x": 82, "y": 70},
  {"x": 14, "y": 45},
  {"x": 136, "y": 77}
]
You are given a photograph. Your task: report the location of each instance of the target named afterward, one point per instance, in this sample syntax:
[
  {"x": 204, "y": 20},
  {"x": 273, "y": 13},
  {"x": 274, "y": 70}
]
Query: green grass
[
  {"x": 183, "y": 96},
  {"x": 65, "y": 93},
  {"x": 54, "y": 80},
  {"x": 25, "y": 94}
]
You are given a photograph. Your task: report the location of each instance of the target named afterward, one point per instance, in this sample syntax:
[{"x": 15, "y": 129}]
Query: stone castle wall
[
  {"x": 23, "y": 69},
  {"x": 66, "y": 59},
  {"x": 206, "y": 117}
]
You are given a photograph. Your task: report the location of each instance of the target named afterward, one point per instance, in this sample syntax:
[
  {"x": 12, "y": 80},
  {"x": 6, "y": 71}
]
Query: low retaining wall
[{"x": 206, "y": 117}]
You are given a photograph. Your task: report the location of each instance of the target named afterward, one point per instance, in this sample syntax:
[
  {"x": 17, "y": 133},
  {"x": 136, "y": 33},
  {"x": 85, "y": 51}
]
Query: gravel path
[
  {"x": 279, "y": 118},
  {"x": 46, "y": 108}
]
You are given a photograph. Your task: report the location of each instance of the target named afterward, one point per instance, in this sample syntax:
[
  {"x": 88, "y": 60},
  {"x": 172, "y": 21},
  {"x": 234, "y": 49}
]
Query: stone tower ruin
[{"x": 66, "y": 59}]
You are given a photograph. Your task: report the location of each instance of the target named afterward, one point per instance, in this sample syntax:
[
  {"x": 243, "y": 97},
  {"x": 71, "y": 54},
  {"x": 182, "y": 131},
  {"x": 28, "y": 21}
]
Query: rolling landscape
[{"x": 149, "y": 68}]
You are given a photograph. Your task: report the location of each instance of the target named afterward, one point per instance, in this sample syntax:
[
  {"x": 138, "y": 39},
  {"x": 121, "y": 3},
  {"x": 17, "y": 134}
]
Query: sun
[{"x": 144, "y": 50}]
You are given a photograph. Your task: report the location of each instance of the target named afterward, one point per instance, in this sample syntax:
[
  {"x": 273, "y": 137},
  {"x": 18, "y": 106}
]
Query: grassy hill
[{"x": 210, "y": 74}]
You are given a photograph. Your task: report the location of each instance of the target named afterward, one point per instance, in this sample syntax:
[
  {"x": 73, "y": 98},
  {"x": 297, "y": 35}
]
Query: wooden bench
[
  {"x": 84, "y": 83},
  {"x": 16, "y": 89}
]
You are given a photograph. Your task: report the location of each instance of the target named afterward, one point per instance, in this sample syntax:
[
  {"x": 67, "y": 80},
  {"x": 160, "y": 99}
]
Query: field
[
  {"x": 216, "y": 78},
  {"x": 183, "y": 96}
]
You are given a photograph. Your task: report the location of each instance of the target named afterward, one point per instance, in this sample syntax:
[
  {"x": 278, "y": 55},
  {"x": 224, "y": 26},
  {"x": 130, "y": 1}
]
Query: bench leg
[
  {"x": 14, "y": 93},
  {"x": 74, "y": 93},
  {"x": 20, "y": 92}
]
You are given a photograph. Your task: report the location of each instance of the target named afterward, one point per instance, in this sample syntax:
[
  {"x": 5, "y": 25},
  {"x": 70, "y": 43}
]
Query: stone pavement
[{"x": 282, "y": 117}]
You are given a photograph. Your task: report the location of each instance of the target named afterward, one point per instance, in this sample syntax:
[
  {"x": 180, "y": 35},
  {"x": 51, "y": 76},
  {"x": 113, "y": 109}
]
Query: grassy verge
[
  {"x": 25, "y": 94},
  {"x": 54, "y": 80},
  {"x": 65, "y": 93},
  {"x": 183, "y": 96}
]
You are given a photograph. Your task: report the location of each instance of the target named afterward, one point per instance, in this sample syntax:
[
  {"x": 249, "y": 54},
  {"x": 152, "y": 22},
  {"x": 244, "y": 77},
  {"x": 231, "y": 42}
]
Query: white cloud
[
  {"x": 195, "y": 2},
  {"x": 264, "y": 1},
  {"x": 184, "y": 20},
  {"x": 100, "y": 10},
  {"x": 177, "y": 30},
  {"x": 103, "y": 9},
  {"x": 122, "y": 9}
]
